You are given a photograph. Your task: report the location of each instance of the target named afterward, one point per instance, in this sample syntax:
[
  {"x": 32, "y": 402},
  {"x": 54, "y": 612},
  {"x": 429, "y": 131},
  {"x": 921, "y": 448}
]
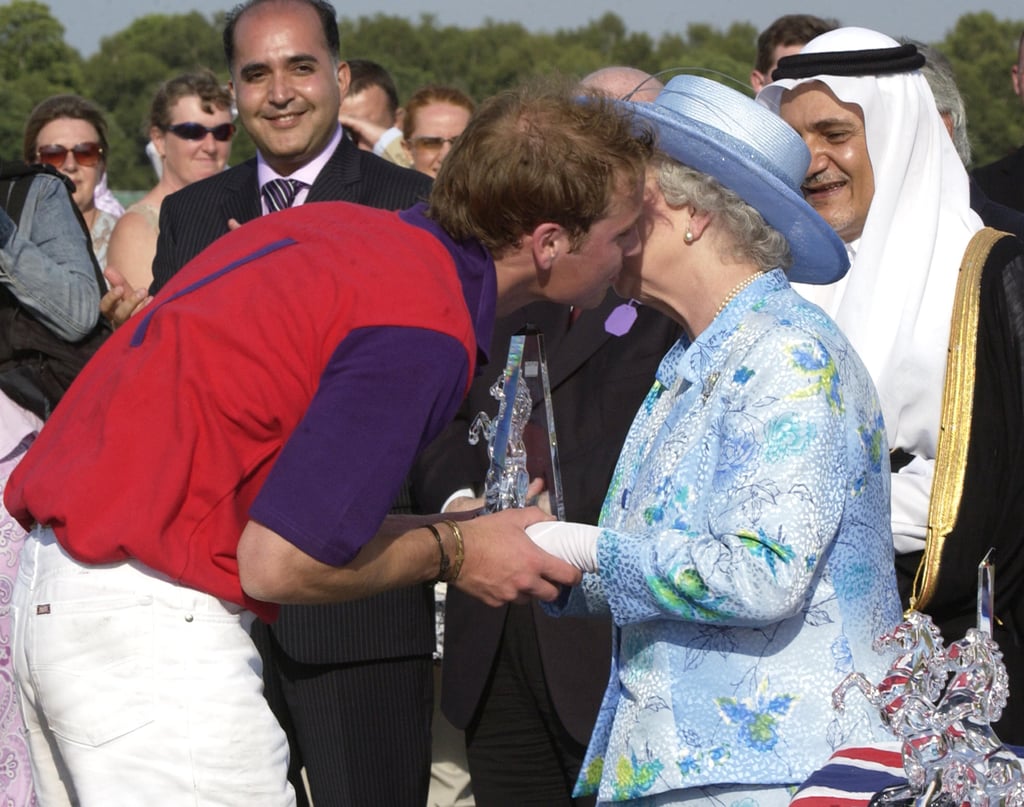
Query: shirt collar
[
  {"x": 477, "y": 275},
  {"x": 308, "y": 173}
]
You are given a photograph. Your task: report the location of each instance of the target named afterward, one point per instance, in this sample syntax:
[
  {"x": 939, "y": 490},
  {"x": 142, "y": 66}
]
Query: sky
[{"x": 87, "y": 21}]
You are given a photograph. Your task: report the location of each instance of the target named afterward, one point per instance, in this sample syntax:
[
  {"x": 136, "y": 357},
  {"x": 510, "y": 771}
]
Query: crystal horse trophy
[
  {"x": 940, "y": 701},
  {"x": 521, "y": 440}
]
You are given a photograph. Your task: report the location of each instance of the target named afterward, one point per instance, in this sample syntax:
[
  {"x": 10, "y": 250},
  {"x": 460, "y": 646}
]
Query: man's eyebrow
[
  {"x": 297, "y": 58},
  {"x": 825, "y": 123}
]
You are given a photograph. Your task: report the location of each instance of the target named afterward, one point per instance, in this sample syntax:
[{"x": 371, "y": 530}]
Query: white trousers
[{"x": 138, "y": 691}]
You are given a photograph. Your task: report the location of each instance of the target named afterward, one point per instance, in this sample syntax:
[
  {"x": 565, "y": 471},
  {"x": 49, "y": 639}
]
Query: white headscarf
[
  {"x": 105, "y": 200},
  {"x": 896, "y": 301}
]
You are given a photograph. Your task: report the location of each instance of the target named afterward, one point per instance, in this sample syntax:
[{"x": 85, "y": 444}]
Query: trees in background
[
  {"x": 36, "y": 62},
  {"x": 981, "y": 50},
  {"x": 126, "y": 71}
]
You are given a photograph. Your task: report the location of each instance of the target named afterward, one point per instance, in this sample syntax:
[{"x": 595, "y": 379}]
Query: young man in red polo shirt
[{"x": 238, "y": 444}]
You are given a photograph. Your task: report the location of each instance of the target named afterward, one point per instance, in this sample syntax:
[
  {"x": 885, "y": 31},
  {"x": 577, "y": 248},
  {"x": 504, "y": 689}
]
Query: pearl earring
[{"x": 688, "y": 237}]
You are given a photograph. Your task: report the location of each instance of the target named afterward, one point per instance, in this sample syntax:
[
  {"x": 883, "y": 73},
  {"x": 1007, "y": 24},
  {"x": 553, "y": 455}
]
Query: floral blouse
[{"x": 746, "y": 557}]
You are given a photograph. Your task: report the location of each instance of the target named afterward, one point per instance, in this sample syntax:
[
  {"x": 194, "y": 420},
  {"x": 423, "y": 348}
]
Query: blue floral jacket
[{"x": 746, "y": 557}]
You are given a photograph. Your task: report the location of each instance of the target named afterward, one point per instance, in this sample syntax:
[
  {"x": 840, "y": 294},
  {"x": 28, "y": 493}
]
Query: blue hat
[{"x": 754, "y": 153}]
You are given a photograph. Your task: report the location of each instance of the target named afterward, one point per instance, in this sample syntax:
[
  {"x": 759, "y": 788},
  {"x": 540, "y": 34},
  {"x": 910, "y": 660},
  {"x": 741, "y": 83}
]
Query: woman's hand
[{"x": 121, "y": 302}]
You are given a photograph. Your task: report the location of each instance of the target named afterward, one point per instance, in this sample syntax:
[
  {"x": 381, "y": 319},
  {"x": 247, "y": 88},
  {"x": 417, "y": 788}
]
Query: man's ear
[
  {"x": 344, "y": 78},
  {"x": 548, "y": 240}
]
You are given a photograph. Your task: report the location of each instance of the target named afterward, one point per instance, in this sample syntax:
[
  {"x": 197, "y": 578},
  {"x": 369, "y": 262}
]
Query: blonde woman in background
[
  {"x": 434, "y": 117},
  {"x": 190, "y": 129}
]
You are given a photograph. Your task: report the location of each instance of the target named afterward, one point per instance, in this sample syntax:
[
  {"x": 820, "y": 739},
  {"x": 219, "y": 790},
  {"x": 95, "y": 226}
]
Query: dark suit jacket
[
  {"x": 194, "y": 217},
  {"x": 994, "y": 214},
  {"x": 597, "y": 384},
  {"x": 1003, "y": 180},
  {"x": 393, "y": 624}
]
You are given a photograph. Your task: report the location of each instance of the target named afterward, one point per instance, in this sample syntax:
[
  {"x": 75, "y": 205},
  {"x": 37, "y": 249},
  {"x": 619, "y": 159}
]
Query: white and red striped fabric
[{"x": 852, "y": 776}]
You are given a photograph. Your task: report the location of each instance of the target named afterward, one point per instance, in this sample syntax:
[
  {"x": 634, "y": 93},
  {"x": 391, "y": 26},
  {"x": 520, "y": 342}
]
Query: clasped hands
[
  {"x": 509, "y": 567},
  {"x": 574, "y": 543}
]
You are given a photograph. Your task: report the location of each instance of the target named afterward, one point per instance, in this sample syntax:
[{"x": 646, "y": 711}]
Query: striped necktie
[{"x": 280, "y": 193}]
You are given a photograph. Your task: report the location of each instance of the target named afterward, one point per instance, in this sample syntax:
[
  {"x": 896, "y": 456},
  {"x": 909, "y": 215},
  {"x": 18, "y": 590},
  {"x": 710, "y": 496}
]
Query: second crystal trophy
[{"x": 521, "y": 438}]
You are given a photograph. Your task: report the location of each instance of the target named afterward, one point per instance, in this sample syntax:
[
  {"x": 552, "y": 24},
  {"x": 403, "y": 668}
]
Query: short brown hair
[
  {"x": 364, "y": 74},
  {"x": 202, "y": 85},
  {"x": 539, "y": 153},
  {"x": 63, "y": 106},
  {"x": 789, "y": 29}
]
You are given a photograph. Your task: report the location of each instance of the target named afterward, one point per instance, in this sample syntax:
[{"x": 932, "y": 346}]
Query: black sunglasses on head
[{"x": 196, "y": 131}]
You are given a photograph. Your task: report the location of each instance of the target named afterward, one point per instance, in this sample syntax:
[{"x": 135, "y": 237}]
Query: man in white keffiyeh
[
  {"x": 905, "y": 242},
  {"x": 885, "y": 174}
]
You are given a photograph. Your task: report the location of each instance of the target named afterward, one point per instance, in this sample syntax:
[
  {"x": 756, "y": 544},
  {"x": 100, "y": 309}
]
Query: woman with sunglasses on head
[
  {"x": 434, "y": 117},
  {"x": 190, "y": 127},
  {"x": 70, "y": 133}
]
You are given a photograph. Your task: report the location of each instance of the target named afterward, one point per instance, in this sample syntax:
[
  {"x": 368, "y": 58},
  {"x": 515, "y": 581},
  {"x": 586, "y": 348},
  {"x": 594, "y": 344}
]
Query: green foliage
[
  {"x": 982, "y": 49},
  {"x": 480, "y": 62},
  {"x": 128, "y": 68},
  {"x": 32, "y": 44},
  {"x": 35, "y": 62},
  {"x": 726, "y": 57}
]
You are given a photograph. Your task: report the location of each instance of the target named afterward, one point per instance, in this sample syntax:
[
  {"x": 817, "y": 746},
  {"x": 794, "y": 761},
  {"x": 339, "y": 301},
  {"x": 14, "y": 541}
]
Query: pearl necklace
[{"x": 736, "y": 290}]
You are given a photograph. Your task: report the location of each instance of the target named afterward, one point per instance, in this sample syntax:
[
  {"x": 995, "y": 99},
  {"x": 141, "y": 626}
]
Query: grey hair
[
  {"x": 753, "y": 239},
  {"x": 938, "y": 72}
]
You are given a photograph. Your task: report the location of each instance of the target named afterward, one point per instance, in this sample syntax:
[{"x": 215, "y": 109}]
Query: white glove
[{"x": 573, "y": 543}]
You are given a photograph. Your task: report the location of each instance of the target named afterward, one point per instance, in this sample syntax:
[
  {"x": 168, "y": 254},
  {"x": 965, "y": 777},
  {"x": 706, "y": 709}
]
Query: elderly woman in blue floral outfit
[{"x": 744, "y": 548}]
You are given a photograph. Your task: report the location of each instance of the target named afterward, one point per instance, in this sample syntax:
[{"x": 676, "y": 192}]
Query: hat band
[{"x": 874, "y": 62}]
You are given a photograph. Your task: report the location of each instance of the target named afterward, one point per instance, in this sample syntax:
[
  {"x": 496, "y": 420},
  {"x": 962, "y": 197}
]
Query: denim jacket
[{"x": 45, "y": 261}]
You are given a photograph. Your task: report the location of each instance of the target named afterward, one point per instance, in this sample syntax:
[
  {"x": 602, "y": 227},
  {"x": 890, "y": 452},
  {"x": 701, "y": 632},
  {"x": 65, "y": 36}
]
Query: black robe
[{"x": 991, "y": 512}]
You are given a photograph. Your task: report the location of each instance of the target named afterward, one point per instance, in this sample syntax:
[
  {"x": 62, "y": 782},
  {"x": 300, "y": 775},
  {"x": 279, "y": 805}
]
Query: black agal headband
[{"x": 875, "y": 62}]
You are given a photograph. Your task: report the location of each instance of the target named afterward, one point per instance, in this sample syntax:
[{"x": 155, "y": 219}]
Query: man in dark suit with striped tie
[
  {"x": 351, "y": 683},
  {"x": 288, "y": 97}
]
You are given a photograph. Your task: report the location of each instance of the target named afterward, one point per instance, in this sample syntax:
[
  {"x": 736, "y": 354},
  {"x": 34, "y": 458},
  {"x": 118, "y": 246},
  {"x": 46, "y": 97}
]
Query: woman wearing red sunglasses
[
  {"x": 70, "y": 133},
  {"x": 190, "y": 128}
]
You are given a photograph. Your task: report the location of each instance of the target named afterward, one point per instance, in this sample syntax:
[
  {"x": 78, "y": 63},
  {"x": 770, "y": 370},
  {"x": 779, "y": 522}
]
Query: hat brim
[{"x": 819, "y": 255}]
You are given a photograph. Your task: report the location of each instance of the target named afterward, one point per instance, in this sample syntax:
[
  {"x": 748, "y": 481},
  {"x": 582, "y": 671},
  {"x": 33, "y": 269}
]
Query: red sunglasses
[{"x": 87, "y": 154}]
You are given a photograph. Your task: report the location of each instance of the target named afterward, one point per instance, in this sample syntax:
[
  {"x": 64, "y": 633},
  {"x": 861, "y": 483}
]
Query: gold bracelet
[
  {"x": 442, "y": 569},
  {"x": 460, "y": 550}
]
